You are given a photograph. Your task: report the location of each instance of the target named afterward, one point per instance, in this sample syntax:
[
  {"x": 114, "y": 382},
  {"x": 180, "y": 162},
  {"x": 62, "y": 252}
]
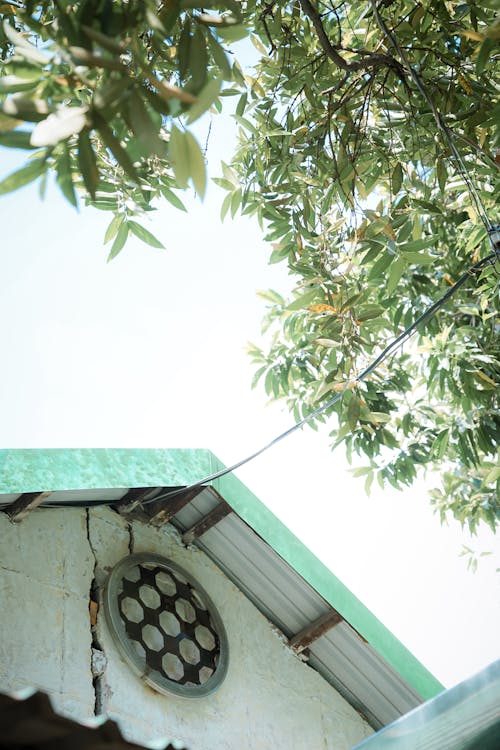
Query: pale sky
[{"x": 149, "y": 351}]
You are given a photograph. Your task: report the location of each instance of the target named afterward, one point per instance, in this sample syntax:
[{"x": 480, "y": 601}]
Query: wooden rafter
[
  {"x": 221, "y": 510},
  {"x": 133, "y": 498},
  {"x": 163, "y": 511},
  {"x": 315, "y": 630},
  {"x": 24, "y": 504}
]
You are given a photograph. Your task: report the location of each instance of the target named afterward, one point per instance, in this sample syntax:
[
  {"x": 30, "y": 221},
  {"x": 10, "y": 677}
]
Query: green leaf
[
  {"x": 23, "y": 108},
  {"x": 369, "y": 482},
  {"x": 485, "y": 52},
  {"x": 143, "y": 234},
  {"x": 8, "y": 123},
  {"x": 397, "y": 178},
  {"x": 172, "y": 198},
  {"x": 16, "y": 139},
  {"x": 87, "y": 163},
  {"x": 353, "y": 412},
  {"x": 493, "y": 475},
  {"x": 241, "y": 106},
  {"x": 187, "y": 160},
  {"x": 226, "y": 205},
  {"x": 179, "y": 156},
  {"x": 113, "y": 227},
  {"x": 220, "y": 57},
  {"x": 23, "y": 176},
  {"x": 442, "y": 174},
  {"x": 233, "y": 33},
  {"x": 119, "y": 242},
  {"x": 235, "y": 202},
  {"x": 198, "y": 59},
  {"x": 15, "y": 84},
  {"x": 380, "y": 265},
  {"x": 65, "y": 178},
  {"x": 23, "y": 46},
  {"x": 197, "y": 167},
  {"x": 421, "y": 258},
  {"x": 305, "y": 299},
  {"x": 367, "y": 312},
  {"x": 415, "y": 245},
  {"x": 397, "y": 268},
  {"x": 206, "y": 98}
]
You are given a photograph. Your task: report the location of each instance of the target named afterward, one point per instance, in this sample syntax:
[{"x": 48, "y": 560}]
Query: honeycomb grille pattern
[{"x": 169, "y": 625}]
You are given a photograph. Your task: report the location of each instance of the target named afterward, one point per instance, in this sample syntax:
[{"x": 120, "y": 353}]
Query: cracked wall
[
  {"x": 46, "y": 568},
  {"x": 54, "y": 637}
]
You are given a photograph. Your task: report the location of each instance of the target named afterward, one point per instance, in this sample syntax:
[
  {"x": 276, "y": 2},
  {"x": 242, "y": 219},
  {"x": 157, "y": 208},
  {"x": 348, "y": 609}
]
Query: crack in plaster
[
  {"x": 95, "y": 646},
  {"x": 131, "y": 538},
  {"x": 12, "y": 570},
  {"x": 63, "y": 623}
]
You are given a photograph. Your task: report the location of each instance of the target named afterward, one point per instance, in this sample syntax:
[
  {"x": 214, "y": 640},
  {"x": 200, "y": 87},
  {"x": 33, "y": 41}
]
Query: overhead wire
[
  {"x": 386, "y": 352},
  {"x": 494, "y": 237},
  {"x": 401, "y": 339}
]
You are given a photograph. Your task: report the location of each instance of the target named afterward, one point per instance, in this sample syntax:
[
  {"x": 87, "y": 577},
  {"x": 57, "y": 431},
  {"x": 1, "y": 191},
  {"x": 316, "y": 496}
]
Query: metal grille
[{"x": 166, "y": 626}]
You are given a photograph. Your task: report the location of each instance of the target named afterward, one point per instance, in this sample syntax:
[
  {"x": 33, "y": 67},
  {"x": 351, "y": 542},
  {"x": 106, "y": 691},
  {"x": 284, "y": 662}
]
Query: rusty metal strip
[
  {"x": 204, "y": 524},
  {"x": 315, "y": 630},
  {"x": 24, "y": 504},
  {"x": 133, "y": 498},
  {"x": 166, "y": 509}
]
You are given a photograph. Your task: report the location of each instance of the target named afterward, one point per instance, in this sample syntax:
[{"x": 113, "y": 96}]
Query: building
[{"x": 183, "y": 612}]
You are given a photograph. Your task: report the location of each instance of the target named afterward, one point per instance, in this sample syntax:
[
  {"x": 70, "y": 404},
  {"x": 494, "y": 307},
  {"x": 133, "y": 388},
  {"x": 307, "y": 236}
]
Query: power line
[
  {"x": 384, "y": 354},
  {"x": 493, "y": 235}
]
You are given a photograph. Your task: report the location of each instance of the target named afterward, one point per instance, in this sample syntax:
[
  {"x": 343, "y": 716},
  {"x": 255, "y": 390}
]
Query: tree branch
[{"x": 371, "y": 60}]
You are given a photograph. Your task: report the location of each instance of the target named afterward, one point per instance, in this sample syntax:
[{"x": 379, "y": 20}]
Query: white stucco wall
[{"x": 269, "y": 699}]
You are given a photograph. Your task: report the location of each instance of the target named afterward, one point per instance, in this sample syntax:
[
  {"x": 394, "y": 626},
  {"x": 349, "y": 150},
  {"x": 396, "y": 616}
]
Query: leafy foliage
[
  {"x": 369, "y": 153},
  {"x": 346, "y": 159},
  {"x": 93, "y": 88}
]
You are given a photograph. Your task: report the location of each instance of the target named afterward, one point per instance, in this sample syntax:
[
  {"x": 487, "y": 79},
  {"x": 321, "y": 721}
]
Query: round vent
[{"x": 166, "y": 626}]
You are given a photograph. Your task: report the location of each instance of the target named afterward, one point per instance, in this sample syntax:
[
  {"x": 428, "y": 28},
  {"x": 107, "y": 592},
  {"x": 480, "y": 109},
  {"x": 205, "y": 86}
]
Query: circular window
[{"x": 166, "y": 626}]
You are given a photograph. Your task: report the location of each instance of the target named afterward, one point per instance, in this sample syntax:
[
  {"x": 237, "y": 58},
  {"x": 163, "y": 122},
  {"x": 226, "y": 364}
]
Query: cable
[
  {"x": 386, "y": 352},
  {"x": 389, "y": 349},
  {"x": 493, "y": 235}
]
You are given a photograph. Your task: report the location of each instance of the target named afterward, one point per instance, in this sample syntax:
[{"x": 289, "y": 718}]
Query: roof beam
[
  {"x": 24, "y": 504},
  {"x": 315, "y": 630},
  {"x": 221, "y": 510},
  {"x": 163, "y": 511},
  {"x": 133, "y": 498}
]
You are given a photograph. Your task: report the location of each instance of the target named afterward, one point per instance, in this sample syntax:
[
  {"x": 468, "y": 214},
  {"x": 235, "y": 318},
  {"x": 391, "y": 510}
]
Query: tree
[{"x": 368, "y": 151}]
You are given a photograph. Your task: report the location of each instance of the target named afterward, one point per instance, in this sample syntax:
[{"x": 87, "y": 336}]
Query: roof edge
[
  {"x": 33, "y": 469},
  {"x": 304, "y": 562}
]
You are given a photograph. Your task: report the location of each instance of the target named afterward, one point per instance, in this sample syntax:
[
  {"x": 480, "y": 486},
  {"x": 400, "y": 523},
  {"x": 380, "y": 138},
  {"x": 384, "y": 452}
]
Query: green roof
[{"x": 33, "y": 470}]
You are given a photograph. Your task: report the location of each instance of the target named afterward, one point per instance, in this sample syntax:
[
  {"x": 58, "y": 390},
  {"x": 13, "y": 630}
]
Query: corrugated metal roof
[
  {"x": 278, "y": 574},
  {"x": 344, "y": 658},
  {"x": 466, "y": 717}
]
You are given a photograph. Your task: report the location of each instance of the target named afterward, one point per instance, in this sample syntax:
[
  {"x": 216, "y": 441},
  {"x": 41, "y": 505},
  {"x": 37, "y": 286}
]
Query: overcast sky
[{"x": 149, "y": 351}]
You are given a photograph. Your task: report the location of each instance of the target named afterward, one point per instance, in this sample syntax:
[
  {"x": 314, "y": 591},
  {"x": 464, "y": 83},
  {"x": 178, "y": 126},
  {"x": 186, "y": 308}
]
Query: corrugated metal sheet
[
  {"x": 466, "y": 717},
  {"x": 341, "y": 656}
]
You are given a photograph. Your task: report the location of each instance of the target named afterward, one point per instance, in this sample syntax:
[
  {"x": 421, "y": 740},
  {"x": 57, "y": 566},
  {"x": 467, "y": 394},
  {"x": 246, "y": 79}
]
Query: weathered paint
[
  {"x": 270, "y": 698},
  {"x": 46, "y": 569},
  {"x": 33, "y": 470}
]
